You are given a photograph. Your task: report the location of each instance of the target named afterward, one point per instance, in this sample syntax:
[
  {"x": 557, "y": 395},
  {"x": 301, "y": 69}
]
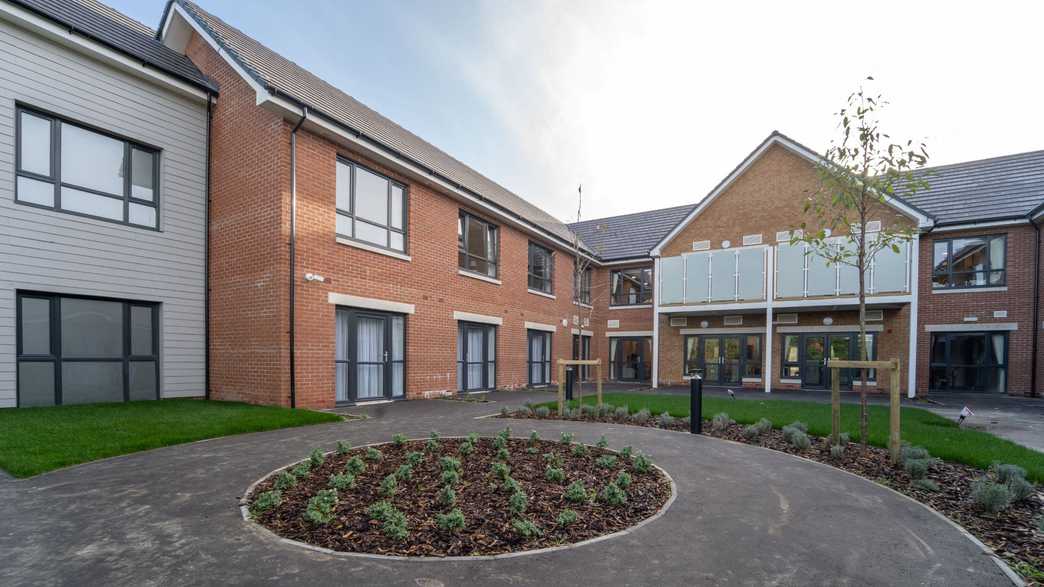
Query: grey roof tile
[
  {"x": 630, "y": 235},
  {"x": 120, "y": 32},
  {"x": 275, "y": 72}
]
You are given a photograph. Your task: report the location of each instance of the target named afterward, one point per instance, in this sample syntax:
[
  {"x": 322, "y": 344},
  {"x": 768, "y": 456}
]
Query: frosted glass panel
[
  {"x": 35, "y": 384},
  {"x": 35, "y": 192},
  {"x": 371, "y": 233},
  {"x": 671, "y": 282},
  {"x": 92, "y": 204},
  {"x": 92, "y": 328},
  {"x": 142, "y": 384},
  {"x": 344, "y": 187},
  {"x": 92, "y": 160},
  {"x": 369, "y": 345},
  {"x": 85, "y": 383},
  {"x": 822, "y": 280},
  {"x": 752, "y": 274},
  {"x": 723, "y": 276},
  {"x": 849, "y": 275},
  {"x": 890, "y": 269},
  {"x": 697, "y": 283},
  {"x": 36, "y": 326},
  {"x": 35, "y": 144},
  {"x": 790, "y": 277},
  {"x": 142, "y": 215},
  {"x": 371, "y": 196}
]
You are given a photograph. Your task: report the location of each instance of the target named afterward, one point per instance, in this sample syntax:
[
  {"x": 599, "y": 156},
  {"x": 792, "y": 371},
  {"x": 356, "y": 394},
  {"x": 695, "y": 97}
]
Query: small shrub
[
  {"x": 686, "y": 421},
  {"x": 517, "y": 503},
  {"x": 473, "y": 437},
  {"x": 505, "y": 412},
  {"x": 576, "y": 492},
  {"x": 505, "y": 433},
  {"x": 1020, "y": 489},
  {"x": 621, "y": 413},
  {"x": 1005, "y": 473},
  {"x": 800, "y": 440},
  {"x": 844, "y": 438},
  {"x": 602, "y": 442},
  {"x": 750, "y": 432},
  {"x": 579, "y": 450},
  {"x": 342, "y": 481},
  {"x": 450, "y": 477},
  {"x": 466, "y": 448},
  {"x": 554, "y": 474},
  {"x": 526, "y": 412},
  {"x": 388, "y": 486},
  {"x": 447, "y": 496},
  {"x": 449, "y": 464},
  {"x": 990, "y": 496},
  {"x": 452, "y": 521},
  {"x": 797, "y": 429},
  {"x": 553, "y": 459},
  {"x": 602, "y": 410},
  {"x": 916, "y": 468},
  {"x": 533, "y": 450},
  {"x": 379, "y": 511},
  {"x": 606, "y": 461},
  {"x": 399, "y": 439},
  {"x": 511, "y": 486},
  {"x": 588, "y": 411},
  {"x": 394, "y": 525},
  {"x": 642, "y": 416},
  {"x": 302, "y": 469},
  {"x": 641, "y": 463},
  {"x": 925, "y": 484},
  {"x": 626, "y": 451},
  {"x": 542, "y": 412},
  {"x": 612, "y": 495},
  {"x": 566, "y": 517},
  {"x": 623, "y": 479},
  {"x": 533, "y": 437},
  {"x": 666, "y": 420},
  {"x": 355, "y": 465},
  {"x": 503, "y": 454},
  {"x": 914, "y": 453},
  {"x": 404, "y": 472},
  {"x": 266, "y": 501},
  {"x": 374, "y": 455},
  {"x": 414, "y": 458},
  {"x": 526, "y": 529},
  {"x": 799, "y": 425},
  {"x": 433, "y": 442},
  {"x": 499, "y": 442},
  {"x": 721, "y": 421},
  {"x": 500, "y": 470},
  {"x": 837, "y": 452},
  {"x": 567, "y": 438},
  {"x": 343, "y": 447},
  {"x": 316, "y": 458},
  {"x": 320, "y": 507},
  {"x": 285, "y": 480}
]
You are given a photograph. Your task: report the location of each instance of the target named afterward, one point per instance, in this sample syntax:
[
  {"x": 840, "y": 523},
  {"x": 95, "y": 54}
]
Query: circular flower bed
[{"x": 459, "y": 496}]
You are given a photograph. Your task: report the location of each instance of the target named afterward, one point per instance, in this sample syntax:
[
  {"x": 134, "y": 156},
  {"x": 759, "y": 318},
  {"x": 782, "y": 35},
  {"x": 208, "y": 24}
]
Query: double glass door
[
  {"x": 370, "y": 355},
  {"x": 582, "y": 350},
  {"x": 818, "y": 349},
  {"x": 629, "y": 358},
  {"x": 724, "y": 359}
]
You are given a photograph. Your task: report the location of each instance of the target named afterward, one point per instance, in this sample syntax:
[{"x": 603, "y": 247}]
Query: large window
[
  {"x": 371, "y": 208},
  {"x": 541, "y": 269},
  {"x": 969, "y": 361},
  {"x": 631, "y": 287},
  {"x": 477, "y": 250},
  {"x": 75, "y": 350},
  {"x": 476, "y": 356},
  {"x": 976, "y": 261},
  {"x": 582, "y": 287},
  {"x": 68, "y": 167}
]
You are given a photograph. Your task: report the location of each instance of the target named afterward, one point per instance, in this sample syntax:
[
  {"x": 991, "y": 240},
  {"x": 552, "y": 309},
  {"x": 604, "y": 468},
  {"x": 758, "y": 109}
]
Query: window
[
  {"x": 75, "y": 350},
  {"x": 631, "y": 286},
  {"x": 541, "y": 269},
  {"x": 791, "y": 356},
  {"x": 476, "y": 356},
  {"x": 539, "y": 359},
  {"x": 371, "y": 208},
  {"x": 975, "y": 361},
  {"x": 969, "y": 262},
  {"x": 582, "y": 287},
  {"x": 477, "y": 250},
  {"x": 68, "y": 167}
]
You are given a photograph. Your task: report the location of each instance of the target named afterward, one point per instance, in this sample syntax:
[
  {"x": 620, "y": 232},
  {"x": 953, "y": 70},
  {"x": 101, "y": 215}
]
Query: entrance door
[
  {"x": 370, "y": 355},
  {"x": 539, "y": 357},
  {"x": 582, "y": 350},
  {"x": 712, "y": 359},
  {"x": 814, "y": 371},
  {"x": 630, "y": 358},
  {"x": 731, "y": 357},
  {"x": 969, "y": 361},
  {"x": 818, "y": 349},
  {"x": 476, "y": 356}
]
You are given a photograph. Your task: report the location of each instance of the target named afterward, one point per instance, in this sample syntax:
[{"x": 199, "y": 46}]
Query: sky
[{"x": 650, "y": 103}]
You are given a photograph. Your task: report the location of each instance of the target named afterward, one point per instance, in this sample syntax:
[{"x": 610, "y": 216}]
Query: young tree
[
  {"x": 859, "y": 173},
  {"x": 583, "y": 279}
]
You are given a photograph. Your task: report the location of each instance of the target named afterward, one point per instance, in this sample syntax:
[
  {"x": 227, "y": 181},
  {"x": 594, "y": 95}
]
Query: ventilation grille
[
  {"x": 786, "y": 318},
  {"x": 782, "y": 236},
  {"x": 751, "y": 239},
  {"x": 874, "y": 315},
  {"x": 679, "y": 321},
  {"x": 873, "y": 226},
  {"x": 612, "y": 324},
  {"x": 733, "y": 320},
  {"x": 701, "y": 245}
]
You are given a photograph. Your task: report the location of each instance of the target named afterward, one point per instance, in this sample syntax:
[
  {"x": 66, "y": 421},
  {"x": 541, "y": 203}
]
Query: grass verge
[{"x": 35, "y": 440}]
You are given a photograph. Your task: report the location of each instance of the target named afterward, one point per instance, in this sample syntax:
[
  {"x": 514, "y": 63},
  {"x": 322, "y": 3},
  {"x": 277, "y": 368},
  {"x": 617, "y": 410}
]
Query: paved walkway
[{"x": 743, "y": 515}]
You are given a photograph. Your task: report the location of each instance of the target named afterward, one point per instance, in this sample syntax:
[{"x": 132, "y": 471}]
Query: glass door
[
  {"x": 476, "y": 356},
  {"x": 582, "y": 350},
  {"x": 813, "y": 370},
  {"x": 370, "y": 356},
  {"x": 630, "y": 357},
  {"x": 539, "y": 357},
  {"x": 711, "y": 359},
  {"x": 731, "y": 356},
  {"x": 841, "y": 348}
]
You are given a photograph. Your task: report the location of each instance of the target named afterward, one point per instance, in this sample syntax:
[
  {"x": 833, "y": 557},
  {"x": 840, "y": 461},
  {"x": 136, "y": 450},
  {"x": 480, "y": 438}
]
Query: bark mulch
[
  {"x": 1012, "y": 533},
  {"x": 481, "y": 497}
]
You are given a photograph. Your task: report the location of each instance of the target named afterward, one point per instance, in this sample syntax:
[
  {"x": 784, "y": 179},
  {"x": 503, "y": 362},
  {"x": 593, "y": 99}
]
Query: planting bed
[
  {"x": 495, "y": 519},
  {"x": 1016, "y": 533}
]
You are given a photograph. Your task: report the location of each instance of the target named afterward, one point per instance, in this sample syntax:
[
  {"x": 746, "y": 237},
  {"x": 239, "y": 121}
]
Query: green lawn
[
  {"x": 34, "y": 440},
  {"x": 920, "y": 427}
]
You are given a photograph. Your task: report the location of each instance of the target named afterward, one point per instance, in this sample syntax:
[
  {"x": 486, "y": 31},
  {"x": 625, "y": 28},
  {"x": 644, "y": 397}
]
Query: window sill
[
  {"x": 790, "y": 381},
  {"x": 373, "y": 249},
  {"x": 583, "y": 305},
  {"x": 540, "y": 293},
  {"x": 479, "y": 277},
  {"x": 970, "y": 290},
  {"x": 630, "y": 307}
]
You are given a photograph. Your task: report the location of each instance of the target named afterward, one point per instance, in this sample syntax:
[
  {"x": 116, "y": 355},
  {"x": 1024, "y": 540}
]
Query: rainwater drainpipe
[
  {"x": 206, "y": 257},
  {"x": 293, "y": 251},
  {"x": 1035, "y": 359}
]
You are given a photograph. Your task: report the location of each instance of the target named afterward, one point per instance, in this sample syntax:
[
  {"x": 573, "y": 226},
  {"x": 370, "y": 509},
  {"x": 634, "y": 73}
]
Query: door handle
[{"x": 385, "y": 357}]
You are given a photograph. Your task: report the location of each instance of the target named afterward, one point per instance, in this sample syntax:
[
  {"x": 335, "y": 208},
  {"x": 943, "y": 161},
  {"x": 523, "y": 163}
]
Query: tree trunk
[{"x": 864, "y": 410}]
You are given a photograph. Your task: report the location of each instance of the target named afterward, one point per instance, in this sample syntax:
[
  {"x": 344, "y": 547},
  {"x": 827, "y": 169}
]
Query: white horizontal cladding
[
  {"x": 581, "y": 332},
  {"x": 831, "y": 328},
  {"x": 540, "y": 326},
  {"x": 842, "y": 302},
  {"x": 480, "y": 318},
  {"x": 714, "y": 277},
  {"x": 369, "y": 303},
  {"x": 691, "y": 331},
  {"x": 995, "y": 327},
  {"x": 628, "y": 333},
  {"x": 802, "y": 273}
]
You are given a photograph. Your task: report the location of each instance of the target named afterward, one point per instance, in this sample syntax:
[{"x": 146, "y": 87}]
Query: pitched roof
[
  {"x": 630, "y": 235},
  {"x": 120, "y": 32},
  {"x": 1000, "y": 188},
  {"x": 278, "y": 74}
]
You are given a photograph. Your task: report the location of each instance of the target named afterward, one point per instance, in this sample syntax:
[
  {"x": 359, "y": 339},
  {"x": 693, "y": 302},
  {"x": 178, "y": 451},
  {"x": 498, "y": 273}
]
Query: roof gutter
[{"x": 293, "y": 254}]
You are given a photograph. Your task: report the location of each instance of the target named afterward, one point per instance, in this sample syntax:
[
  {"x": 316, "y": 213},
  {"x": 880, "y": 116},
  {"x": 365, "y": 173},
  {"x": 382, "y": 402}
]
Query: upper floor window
[
  {"x": 477, "y": 245},
  {"x": 976, "y": 261},
  {"x": 68, "y": 167},
  {"x": 371, "y": 208},
  {"x": 631, "y": 286},
  {"x": 541, "y": 268},
  {"x": 582, "y": 287}
]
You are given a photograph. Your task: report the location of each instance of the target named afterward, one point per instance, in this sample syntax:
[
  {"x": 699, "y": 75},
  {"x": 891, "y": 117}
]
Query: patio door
[
  {"x": 370, "y": 355},
  {"x": 819, "y": 349},
  {"x": 721, "y": 358},
  {"x": 629, "y": 358},
  {"x": 539, "y": 363},
  {"x": 582, "y": 350}
]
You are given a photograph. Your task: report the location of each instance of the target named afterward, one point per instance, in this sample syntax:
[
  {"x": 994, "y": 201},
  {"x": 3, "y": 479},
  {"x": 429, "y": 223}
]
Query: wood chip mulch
[
  {"x": 480, "y": 497},
  {"x": 1012, "y": 534}
]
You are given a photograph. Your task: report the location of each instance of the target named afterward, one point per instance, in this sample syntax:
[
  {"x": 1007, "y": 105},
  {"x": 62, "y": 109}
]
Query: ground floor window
[
  {"x": 370, "y": 355},
  {"x": 969, "y": 361},
  {"x": 582, "y": 351},
  {"x": 78, "y": 350},
  {"x": 476, "y": 356},
  {"x": 539, "y": 360},
  {"x": 805, "y": 356},
  {"x": 723, "y": 358},
  {"x": 629, "y": 358}
]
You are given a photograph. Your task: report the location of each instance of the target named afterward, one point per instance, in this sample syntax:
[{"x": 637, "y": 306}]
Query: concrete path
[{"x": 743, "y": 516}]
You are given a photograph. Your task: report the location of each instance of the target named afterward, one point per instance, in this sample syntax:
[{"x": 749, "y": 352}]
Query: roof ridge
[{"x": 979, "y": 161}]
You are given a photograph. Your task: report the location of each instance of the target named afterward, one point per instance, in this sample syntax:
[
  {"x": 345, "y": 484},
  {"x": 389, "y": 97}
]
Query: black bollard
[
  {"x": 696, "y": 403},
  {"x": 570, "y": 380}
]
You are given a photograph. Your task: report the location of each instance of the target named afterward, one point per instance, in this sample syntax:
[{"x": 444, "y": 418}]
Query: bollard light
[
  {"x": 696, "y": 401},
  {"x": 965, "y": 412}
]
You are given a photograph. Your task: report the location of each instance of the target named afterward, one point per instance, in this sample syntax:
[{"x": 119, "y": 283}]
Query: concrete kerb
[{"x": 244, "y": 510}]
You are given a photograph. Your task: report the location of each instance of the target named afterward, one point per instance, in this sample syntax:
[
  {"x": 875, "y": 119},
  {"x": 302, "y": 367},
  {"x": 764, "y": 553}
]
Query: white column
[
  {"x": 911, "y": 359},
  {"x": 766, "y": 373},
  {"x": 656, "y": 324}
]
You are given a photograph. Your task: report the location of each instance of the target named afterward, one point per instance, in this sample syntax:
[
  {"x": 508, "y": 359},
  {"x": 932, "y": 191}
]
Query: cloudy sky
[{"x": 650, "y": 103}]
